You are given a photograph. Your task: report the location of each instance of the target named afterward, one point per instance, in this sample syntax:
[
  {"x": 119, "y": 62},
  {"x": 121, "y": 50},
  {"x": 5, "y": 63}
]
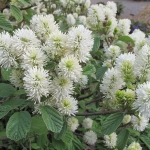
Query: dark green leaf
[
  {"x": 146, "y": 140},
  {"x": 122, "y": 139},
  {"x": 58, "y": 136},
  {"x": 13, "y": 103},
  {"x": 100, "y": 72},
  {"x": 126, "y": 39},
  {"x": 89, "y": 69},
  {"x": 77, "y": 143},
  {"x": 38, "y": 126},
  {"x": 16, "y": 12},
  {"x": 4, "y": 110},
  {"x": 96, "y": 44},
  {"x": 19, "y": 92},
  {"x": 6, "y": 25},
  {"x": 58, "y": 144},
  {"x": 111, "y": 123},
  {"x": 18, "y": 125},
  {"x": 52, "y": 118},
  {"x": 6, "y": 90}
]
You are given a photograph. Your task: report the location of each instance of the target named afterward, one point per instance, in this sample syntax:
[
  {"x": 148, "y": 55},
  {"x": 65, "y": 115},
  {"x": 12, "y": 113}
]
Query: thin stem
[
  {"x": 26, "y": 7},
  {"x": 83, "y": 97},
  {"x": 92, "y": 101},
  {"x": 98, "y": 113}
]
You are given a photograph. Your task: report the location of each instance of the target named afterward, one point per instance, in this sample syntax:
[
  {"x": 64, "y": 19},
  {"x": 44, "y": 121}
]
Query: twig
[
  {"x": 83, "y": 97},
  {"x": 92, "y": 101},
  {"x": 98, "y": 113},
  {"x": 26, "y": 7}
]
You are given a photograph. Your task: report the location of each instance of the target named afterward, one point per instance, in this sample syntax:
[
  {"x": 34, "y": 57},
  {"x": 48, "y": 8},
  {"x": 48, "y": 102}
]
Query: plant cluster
[{"x": 72, "y": 79}]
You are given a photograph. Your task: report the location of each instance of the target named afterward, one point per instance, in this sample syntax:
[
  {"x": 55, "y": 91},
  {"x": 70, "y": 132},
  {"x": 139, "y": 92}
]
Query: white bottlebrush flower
[
  {"x": 70, "y": 20},
  {"x": 43, "y": 25},
  {"x": 24, "y": 39},
  {"x": 61, "y": 87},
  {"x": 83, "y": 81},
  {"x": 36, "y": 83},
  {"x": 56, "y": 44},
  {"x": 142, "y": 103},
  {"x": 126, "y": 119},
  {"x": 7, "y": 54},
  {"x": 134, "y": 146},
  {"x": 112, "y": 82},
  {"x": 125, "y": 63},
  {"x": 142, "y": 62},
  {"x": 33, "y": 57},
  {"x": 110, "y": 140},
  {"x": 139, "y": 123},
  {"x": 90, "y": 137},
  {"x": 139, "y": 38},
  {"x": 112, "y": 5},
  {"x": 87, "y": 123},
  {"x": 82, "y": 20},
  {"x": 95, "y": 17},
  {"x": 70, "y": 68},
  {"x": 68, "y": 106},
  {"x": 87, "y": 4},
  {"x": 124, "y": 26},
  {"x": 73, "y": 123},
  {"x": 16, "y": 78},
  {"x": 80, "y": 42},
  {"x": 112, "y": 52}
]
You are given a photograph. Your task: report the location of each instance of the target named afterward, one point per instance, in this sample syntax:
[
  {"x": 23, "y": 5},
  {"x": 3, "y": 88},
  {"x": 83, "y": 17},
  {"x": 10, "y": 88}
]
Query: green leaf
[
  {"x": 111, "y": 123},
  {"x": 24, "y": 2},
  {"x": 16, "y": 12},
  {"x": 122, "y": 139},
  {"x": 4, "y": 110},
  {"x": 126, "y": 39},
  {"x": 42, "y": 141},
  {"x": 6, "y": 90},
  {"x": 96, "y": 44},
  {"x": 100, "y": 72},
  {"x": 58, "y": 144},
  {"x": 19, "y": 92},
  {"x": 2, "y": 16},
  {"x": 13, "y": 103},
  {"x": 6, "y": 25},
  {"x": 146, "y": 140},
  {"x": 35, "y": 146},
  {"x": 6, "y": 73},
  {"x": 67, "y": 137},
  {"x": 18, "y": 125},
  {"x": 58, "y": 136},
  {"x": 89, "y": 69},
  {"x": 38, "y": 126},
  {"x": 134, "y": 132},
  {"x": 52, "y": 118},
  {"x": 77, "y": 143}
]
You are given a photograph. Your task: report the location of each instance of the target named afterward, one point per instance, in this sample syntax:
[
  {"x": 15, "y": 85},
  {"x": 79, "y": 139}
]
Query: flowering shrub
[{"x": 72, "y": 79}]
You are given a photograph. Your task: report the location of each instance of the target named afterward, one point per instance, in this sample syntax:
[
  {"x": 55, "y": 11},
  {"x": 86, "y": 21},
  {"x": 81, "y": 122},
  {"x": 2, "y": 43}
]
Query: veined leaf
[
  {"x": 89, "y": 69},
  {"x": 52, "y": 118},
  {"x": 122, "y": 139},
  {"x": 18, "y": 125},
  {"x": 16, "y": 12},
  {"x": 111, "y": 123}
]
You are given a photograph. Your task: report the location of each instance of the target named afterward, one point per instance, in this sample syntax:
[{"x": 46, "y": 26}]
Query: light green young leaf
[
  {"x": 67, "y": 137},
  {"x": 16, "y": 12},
  {"x": 18, "y": 125},
  {"x": 126, "y": 39},
  {"x": 111, "y": 123},
  {"x": 6, "y": 73},
  {"x": 52, "y": 118}
]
